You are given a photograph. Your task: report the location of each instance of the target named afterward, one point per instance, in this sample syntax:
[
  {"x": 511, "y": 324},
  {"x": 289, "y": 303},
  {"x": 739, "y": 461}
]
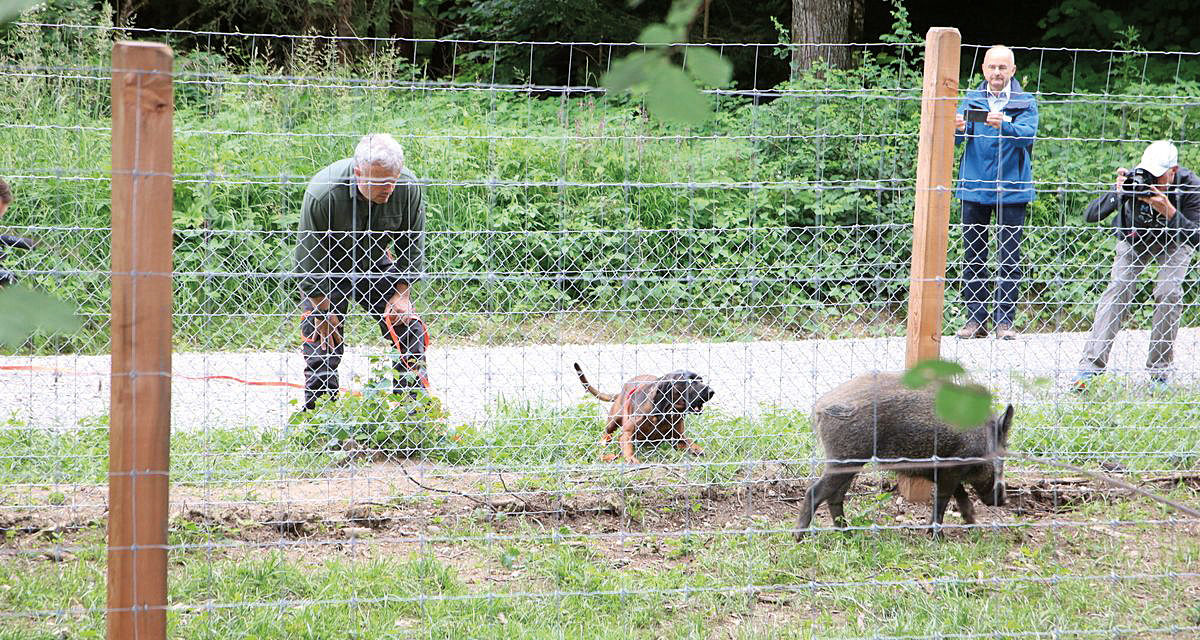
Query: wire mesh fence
[{"x": 766, "y": 251}]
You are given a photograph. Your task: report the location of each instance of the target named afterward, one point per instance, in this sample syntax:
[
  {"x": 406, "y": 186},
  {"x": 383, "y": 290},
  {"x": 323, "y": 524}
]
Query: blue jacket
[{"x": 998, "y": 164}]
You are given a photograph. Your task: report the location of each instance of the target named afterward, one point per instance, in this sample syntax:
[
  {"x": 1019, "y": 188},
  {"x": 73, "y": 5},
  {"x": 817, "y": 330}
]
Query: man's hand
[
  {"x": 1121, "y": 171},
  {"x": 326, "y": 325},
  {"x": 995, "y": 119},
  {"x": 399, "y": 307},
  {"x": 960, "y": 123},
  {"x": 1159, "y": 201}
]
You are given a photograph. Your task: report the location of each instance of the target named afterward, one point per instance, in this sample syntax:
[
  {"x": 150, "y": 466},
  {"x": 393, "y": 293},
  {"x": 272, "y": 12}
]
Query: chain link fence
[{"x": 767, "y": 251}]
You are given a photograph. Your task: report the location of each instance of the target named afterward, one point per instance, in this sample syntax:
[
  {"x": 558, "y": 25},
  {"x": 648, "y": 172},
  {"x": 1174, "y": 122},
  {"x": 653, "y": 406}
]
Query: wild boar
[{"x": 875, "y": 417}]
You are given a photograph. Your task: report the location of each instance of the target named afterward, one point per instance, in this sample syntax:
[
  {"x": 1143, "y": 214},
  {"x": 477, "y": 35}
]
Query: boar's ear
[{"x": 1003, "y": 426}]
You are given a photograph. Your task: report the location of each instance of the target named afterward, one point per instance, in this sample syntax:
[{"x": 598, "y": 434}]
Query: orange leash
[
  {"x": 253, "y": 383},
  {"x": 396, "y": 341}
]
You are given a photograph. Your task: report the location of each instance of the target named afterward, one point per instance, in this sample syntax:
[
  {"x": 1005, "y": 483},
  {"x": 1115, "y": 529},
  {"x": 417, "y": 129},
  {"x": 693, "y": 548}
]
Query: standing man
[
  {"x": 361, "y": 238},
  {"x": 7, "y": 277},
  {"x": 1158, "y": 218},
  {"x": 998, "y": 123}
]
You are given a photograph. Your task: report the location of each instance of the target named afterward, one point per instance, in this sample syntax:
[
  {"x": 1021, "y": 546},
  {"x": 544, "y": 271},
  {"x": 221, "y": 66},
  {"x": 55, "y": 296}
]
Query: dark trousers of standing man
[
  {"x": 321, "y": 364},
  {"x": 977, "y": 279}
]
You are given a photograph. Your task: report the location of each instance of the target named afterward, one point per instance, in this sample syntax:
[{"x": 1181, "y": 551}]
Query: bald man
[{"x": 996, "y": 125}]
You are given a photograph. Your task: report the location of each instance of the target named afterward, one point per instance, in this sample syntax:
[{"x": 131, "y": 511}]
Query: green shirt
[{"x": 343, "y": 235}]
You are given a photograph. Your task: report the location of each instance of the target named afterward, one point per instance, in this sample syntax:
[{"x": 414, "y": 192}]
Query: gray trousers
[{"x": 1173, "y": 261}]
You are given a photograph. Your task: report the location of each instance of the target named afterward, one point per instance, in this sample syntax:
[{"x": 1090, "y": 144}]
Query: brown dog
[{"x": 652, "y": 409}]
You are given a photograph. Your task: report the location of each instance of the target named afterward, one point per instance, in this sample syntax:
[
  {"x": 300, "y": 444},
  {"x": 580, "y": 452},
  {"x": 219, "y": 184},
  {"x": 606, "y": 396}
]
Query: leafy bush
[
  {"x": 379, "y": 423},
  {"x": 791, "y": 210}
]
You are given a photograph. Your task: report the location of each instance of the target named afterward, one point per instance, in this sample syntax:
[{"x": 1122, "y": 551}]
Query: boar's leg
[
  {"x": 964, "y": 504},
  {"x": 833, "y": 483},
  {"x": 837, "y": 498},
  {"x": 943, "y": 491}
]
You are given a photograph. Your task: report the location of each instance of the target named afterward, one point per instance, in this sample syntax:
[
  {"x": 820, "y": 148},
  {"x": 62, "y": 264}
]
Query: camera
[{"x": 1138, "y": 183}]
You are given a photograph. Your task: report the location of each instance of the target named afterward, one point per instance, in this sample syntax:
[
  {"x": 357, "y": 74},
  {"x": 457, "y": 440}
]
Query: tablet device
[{"x": 976, "y": 115}]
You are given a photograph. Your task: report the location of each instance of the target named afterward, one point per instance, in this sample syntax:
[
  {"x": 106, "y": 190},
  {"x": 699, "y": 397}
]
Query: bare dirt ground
[
  {"x": 59, "y": 391},
  {"x": 408, "y": 506}
]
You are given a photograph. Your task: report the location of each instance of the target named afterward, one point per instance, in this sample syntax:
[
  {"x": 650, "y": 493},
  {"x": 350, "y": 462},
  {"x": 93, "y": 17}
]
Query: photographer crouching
[{"x": 1158, "y": 215}]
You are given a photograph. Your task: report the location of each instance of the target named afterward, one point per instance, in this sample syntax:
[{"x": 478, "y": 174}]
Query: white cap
[{"x": 1159, "y": 157}]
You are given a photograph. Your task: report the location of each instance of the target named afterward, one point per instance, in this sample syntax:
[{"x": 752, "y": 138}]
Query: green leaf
[
  {"x": 630, "y": 71},
  {"x": 27, "y": 311},
  {"x": 672, "y": 96},
  {"x": 658, "y": 34},
  {"x": 708, "y": 66},
  {"x": 682, "y": 12},
  {"x": 926, "y": 371},
  {"x": 964, "y": 406},
  {"x": 10, "y": 9}
]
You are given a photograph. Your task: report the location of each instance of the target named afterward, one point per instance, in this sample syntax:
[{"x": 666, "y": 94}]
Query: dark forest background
[{"x": 1164, "y": 25}]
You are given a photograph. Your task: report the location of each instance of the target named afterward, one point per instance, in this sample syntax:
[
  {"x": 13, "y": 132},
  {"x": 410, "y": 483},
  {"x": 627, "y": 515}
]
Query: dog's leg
[
  {"x": 609, "y": 428},
  {"x": 681, "y": 441},
  {"x": 626, "y": 440},
  {"x": 604, "y": 440}
]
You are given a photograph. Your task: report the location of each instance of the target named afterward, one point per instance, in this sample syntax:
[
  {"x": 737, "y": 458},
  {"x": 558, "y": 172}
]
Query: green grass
[
  {"x": 1114, "y": 422},
  {"x": 1109, "y": 423},
  {"x": 832, "y": 585},
  {"x": 30, "y": 455},
  {"x": 648, "y": 585}
]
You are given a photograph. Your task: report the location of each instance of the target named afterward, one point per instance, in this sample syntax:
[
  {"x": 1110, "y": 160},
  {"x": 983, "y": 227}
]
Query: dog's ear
[{"x": 660, "y": 394}]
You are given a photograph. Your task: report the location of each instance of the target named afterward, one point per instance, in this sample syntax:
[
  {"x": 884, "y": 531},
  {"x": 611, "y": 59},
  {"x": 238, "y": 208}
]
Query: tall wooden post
[
  {"x": 140, "y": 419},
  {"x": 931, "y": 219},
  {"x": 931, "y": 215}
]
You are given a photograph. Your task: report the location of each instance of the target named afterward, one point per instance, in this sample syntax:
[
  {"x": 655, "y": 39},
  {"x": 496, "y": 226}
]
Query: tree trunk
[
  {"x": 831, "y": 23},
  {"x": 441, "y": 58},
  {"x": 344, "y": 31},
  {"x": 402, "y": 27}
]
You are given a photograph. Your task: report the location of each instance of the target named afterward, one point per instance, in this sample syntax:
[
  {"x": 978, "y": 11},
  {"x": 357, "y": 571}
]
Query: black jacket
[
  {"x": 16, "y": 241},
  {"x": 1184, "y": 194},
  {"x": 7, "y": 277}
]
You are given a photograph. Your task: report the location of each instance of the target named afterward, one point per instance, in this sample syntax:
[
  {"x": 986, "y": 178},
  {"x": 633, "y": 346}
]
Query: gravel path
[{"x": 748, "y": 376}]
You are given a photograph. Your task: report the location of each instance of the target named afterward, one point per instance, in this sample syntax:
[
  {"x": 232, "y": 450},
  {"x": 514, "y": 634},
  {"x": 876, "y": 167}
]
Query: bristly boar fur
[{"x": 877, "y": 416}]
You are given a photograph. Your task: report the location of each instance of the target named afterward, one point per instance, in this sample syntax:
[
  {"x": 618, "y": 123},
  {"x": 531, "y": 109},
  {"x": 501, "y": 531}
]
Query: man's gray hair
[
  {"x": 381, "y": 150},
  {"x": 1000, "y": 49}
]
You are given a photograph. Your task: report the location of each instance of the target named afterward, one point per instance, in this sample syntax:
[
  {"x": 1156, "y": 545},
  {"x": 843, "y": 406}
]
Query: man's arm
[
  {"x": 960, "y": 123},
  {"x": 1188, "y": 200},
  {"x": 312, "y": 252},
  {"x": 1023, "y": 128},
  {"x": 409, "y": 244},
  {"x": 17, "y": 242},
  {"x": 409, "y": 261},
  {"x": 1102, "y": 207}
]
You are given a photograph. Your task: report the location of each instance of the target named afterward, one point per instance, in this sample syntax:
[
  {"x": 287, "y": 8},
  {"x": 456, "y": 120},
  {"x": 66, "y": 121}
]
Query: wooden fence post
[
  {"x": 931, "y": 216},
  {"x": 140, "y": 418}
]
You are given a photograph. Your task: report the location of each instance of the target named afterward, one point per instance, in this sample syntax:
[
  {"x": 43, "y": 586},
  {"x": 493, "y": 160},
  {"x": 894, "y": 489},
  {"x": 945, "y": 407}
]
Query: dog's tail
[{"x": 606, "y": 397}]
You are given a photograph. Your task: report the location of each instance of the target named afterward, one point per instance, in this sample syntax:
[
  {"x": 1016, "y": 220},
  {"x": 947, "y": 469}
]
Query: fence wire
[{"x": 767, "y": 251}]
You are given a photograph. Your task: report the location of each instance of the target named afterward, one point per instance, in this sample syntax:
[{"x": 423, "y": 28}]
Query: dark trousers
[
  {"x": 977, "y": 282},
  {"x": 321, "y": 364}
]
